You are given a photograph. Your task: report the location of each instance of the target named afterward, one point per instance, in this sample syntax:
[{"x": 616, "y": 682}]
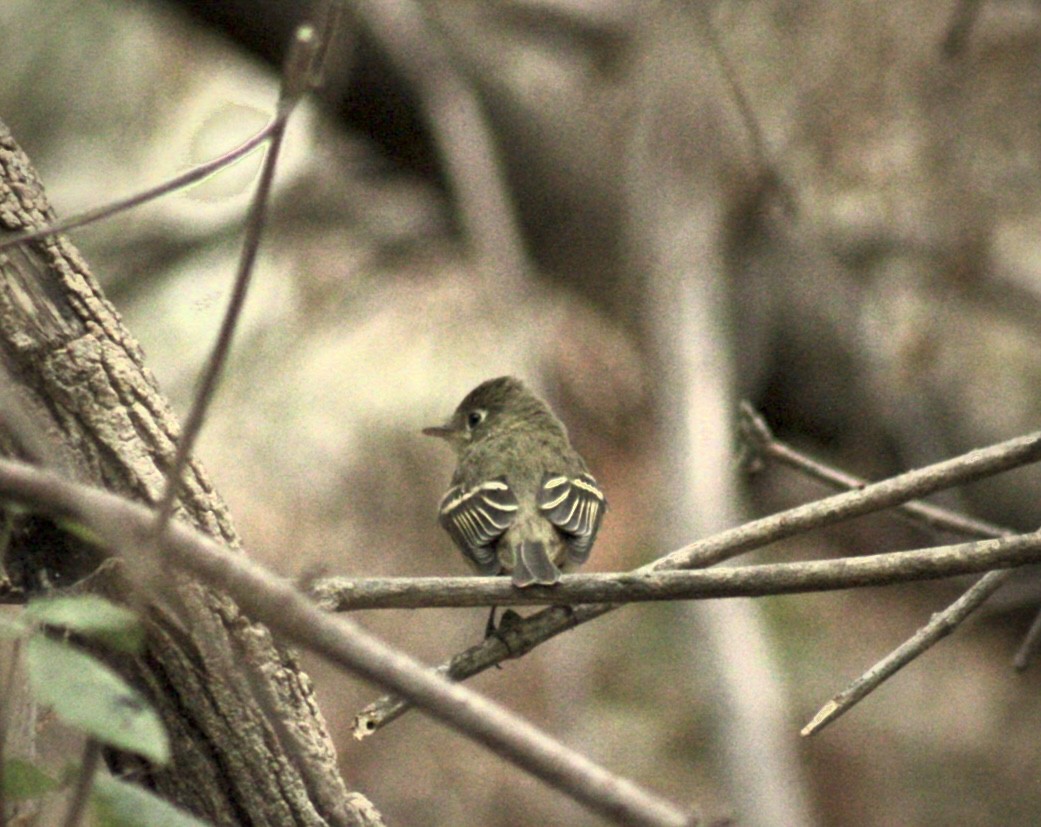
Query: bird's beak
[{"x": 441, "y": 431}]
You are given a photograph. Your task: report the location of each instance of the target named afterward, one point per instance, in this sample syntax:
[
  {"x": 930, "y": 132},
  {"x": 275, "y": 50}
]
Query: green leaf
[
  {"x": 13, "y": 509},
  {"x": 88, "y": 695},
  {"x": 87, "y": 614},
  {"x": 25, "y": 780},
  {"x": 119, "y": 804},
  {"x": 81, "y": 531}
]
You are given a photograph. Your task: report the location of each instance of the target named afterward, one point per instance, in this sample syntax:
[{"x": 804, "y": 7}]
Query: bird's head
[{"x": 492, "y": 407}]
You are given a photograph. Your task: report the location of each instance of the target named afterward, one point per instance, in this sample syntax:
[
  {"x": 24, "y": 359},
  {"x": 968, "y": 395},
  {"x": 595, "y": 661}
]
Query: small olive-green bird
[{"x": 522, "y": 500}]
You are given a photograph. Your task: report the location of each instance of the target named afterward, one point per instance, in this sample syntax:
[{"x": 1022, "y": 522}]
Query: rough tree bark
[{"x": 214, "y": 676}]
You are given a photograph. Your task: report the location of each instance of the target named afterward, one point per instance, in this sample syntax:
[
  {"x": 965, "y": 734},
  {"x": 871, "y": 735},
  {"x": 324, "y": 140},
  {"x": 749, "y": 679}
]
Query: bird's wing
[
  {"x": 478, "y": 516},
  {"x": 575, "y": 505}
]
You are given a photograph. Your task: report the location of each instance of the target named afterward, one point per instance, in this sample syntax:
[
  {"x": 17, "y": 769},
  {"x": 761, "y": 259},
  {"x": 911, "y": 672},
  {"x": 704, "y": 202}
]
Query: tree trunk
[{"x": 218, "y": 680}]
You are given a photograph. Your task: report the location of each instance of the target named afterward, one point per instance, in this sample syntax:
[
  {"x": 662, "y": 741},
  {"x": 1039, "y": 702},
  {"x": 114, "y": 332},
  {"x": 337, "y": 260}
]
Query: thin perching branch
[
  {"x": 520, "y": 638},
  {"x": 765, "y": 580},
  {"x": 292, "y": 616}
]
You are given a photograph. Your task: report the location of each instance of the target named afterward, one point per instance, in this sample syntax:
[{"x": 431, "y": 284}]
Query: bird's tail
[{"x": 532, "y": 565}]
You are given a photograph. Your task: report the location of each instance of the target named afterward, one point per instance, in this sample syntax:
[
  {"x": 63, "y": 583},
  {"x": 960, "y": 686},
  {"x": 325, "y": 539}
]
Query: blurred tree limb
[{"x": 295, "y": 618}]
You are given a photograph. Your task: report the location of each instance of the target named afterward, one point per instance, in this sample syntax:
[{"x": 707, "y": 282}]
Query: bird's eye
[{"x": 475, "y": 418}]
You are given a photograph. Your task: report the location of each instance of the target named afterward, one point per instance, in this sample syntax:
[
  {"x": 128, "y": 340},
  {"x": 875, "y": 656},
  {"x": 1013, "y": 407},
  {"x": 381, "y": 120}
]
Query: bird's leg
[
  {"x": 490, "y": 627},
  {"x": 509, "y": 618}
]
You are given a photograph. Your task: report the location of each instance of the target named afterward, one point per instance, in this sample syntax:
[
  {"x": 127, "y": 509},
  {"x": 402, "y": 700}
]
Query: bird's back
[{"x": 532, "y": 550}]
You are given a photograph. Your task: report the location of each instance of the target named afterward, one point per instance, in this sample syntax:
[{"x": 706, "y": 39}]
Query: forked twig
[
  {"x": 759, "y": 438},
  {"x": 300, "y": 71}
]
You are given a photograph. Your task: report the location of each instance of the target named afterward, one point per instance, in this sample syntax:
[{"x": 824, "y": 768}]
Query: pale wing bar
[
  {"x": 475, "y": 518},
  {"x": 575, "y": 505}
]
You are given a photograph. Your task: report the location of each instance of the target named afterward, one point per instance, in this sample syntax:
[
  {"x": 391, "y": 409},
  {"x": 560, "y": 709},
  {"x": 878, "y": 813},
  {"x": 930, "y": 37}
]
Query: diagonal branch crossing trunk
[{"x": 70, "y": 368}]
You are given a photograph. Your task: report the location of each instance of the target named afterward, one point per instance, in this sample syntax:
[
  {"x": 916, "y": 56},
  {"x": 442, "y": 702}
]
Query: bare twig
[
  {"x": 172, "y": 185},
  {"x": 939, "y": 627},
  {"x": 759, "y": 438},
  {"x": 328, "y": 25},
  {"x": 525, "y": 635},
  {"x": 292, "y": 616},
  {"x": 343, "y": 594},
  {"x": 297, "y": 74},
  {"x": 84, "y": 782},
  {"x": 1029, "y": 646}
]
